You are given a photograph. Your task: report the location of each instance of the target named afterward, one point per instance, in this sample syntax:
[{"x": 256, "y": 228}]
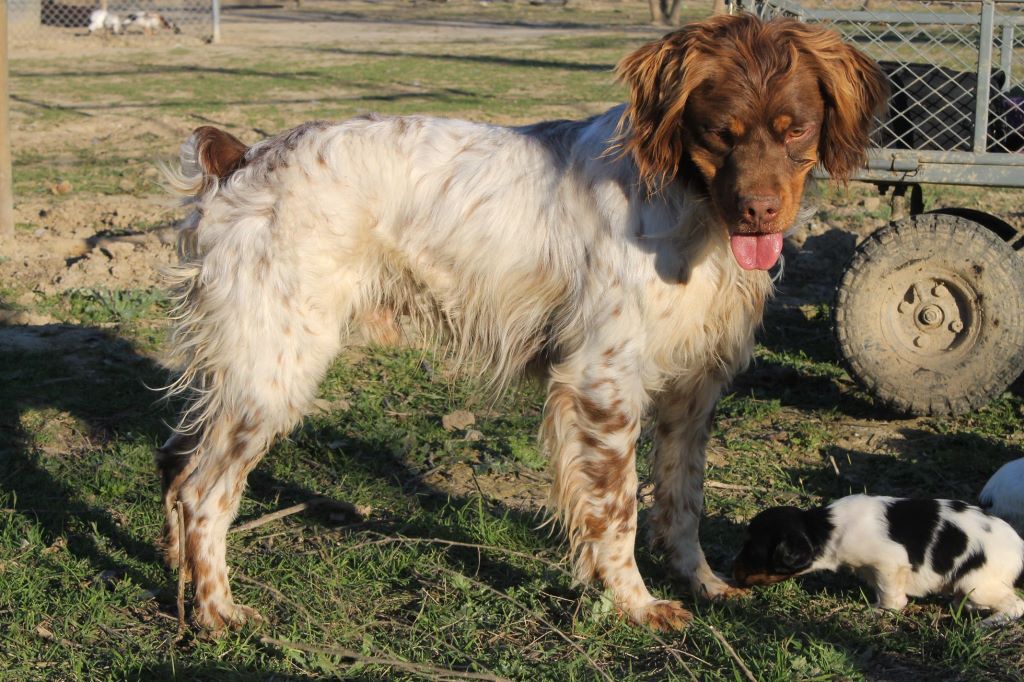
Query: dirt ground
[{"x": 91, "y": 241}]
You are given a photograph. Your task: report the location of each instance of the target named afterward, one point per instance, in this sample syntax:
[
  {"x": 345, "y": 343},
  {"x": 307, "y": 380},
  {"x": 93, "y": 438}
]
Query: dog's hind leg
[
  {"x": 1006, "y": 606},
  {"x": 258, "y": 342},
  {"x": 684, "y": 420}
]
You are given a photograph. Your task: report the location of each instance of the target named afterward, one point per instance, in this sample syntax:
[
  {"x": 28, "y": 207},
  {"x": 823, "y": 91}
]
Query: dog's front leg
[
  {"x": 685, "y": 415},
  {"x": 591, "y": 424}
]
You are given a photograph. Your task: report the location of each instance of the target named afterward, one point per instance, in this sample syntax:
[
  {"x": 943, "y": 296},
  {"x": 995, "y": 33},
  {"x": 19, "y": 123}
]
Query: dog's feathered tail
[
  {"x": 206, "y": 160},
  {"x": 207, "y": 157}
]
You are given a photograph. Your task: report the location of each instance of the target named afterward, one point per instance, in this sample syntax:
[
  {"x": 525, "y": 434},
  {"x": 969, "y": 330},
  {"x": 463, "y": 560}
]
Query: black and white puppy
[{"x": 903, "y": 547}]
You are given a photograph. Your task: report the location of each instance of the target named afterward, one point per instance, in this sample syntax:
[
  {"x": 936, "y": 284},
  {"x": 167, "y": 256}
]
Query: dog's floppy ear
[
  {"x": 793, "y": 553},
  {"x": 661, "y": 75},
  {"x": 855, "y": 90}
]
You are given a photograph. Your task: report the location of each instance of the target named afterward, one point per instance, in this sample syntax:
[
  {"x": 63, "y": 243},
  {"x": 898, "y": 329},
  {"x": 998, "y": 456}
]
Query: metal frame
[{"x": 981, "y": 26}]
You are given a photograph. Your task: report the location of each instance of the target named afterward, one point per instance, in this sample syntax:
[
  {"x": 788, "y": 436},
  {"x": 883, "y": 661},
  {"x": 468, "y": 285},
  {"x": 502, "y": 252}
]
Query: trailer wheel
[{"x": 929, "y": 315}]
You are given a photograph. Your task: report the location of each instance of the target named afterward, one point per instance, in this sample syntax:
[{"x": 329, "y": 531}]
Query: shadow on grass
[
  {"x": 96, "y": 378},
  {"x": 439, "y": 515},
  {"x": 921, "y": 464}
]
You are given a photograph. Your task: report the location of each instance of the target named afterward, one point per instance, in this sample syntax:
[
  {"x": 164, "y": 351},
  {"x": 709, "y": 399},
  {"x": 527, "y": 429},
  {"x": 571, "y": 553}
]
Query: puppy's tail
[{"x": 208, "y": 157}]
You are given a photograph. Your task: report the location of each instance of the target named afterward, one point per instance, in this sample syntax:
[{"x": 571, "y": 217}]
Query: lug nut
[{"x": 956, "y": 326}]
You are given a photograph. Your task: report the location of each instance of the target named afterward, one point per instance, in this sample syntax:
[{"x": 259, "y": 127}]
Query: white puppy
[
  {"x": 904, "y": 547},
  {"x": 1003, "y": 495}
]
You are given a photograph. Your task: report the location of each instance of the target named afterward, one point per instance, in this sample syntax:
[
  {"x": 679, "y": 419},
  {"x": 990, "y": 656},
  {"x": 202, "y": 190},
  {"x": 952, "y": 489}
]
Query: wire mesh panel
[
  {"x": 956, "y": 71},
  {"x": 32, "y": 21}
]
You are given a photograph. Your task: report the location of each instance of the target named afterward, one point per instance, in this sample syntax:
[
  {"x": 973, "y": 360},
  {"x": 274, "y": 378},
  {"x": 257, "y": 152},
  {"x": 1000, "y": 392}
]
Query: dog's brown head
[{"x": 743, "y": 110}]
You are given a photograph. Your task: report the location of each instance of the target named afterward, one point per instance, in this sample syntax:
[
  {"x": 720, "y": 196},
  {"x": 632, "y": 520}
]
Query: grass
[{"x": 448, "y": 570}]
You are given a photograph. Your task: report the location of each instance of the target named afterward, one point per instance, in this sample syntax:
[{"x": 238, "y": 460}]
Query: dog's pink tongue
[{"x": 756, "y": 251}]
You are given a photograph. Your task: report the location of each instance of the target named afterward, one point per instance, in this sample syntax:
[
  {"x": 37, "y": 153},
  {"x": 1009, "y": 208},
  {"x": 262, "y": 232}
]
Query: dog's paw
[
  {"x": 663, "y": 615},
  {"x": 714, "y": 587},
  {"x": 215, "y": 619},
  {"x": 732, "y": 591}
]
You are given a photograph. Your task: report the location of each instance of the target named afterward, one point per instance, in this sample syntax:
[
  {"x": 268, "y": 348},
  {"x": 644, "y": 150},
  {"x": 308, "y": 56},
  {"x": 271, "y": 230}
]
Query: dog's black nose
[{"x": 759, "y": 209}]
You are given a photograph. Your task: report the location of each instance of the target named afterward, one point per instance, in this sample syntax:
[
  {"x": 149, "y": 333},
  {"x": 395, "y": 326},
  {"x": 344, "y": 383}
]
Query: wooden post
[{"x": 6, "y": 193}]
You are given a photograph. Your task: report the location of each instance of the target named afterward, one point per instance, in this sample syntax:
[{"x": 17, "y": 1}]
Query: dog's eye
[
  {"x": 720, "y": 135},
  {"x": 796, "y": 133}
]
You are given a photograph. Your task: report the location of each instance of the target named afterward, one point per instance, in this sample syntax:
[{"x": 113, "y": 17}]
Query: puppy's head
[
  {"x": 778, "y": 546},
  {"x": 742, "y": 110}
]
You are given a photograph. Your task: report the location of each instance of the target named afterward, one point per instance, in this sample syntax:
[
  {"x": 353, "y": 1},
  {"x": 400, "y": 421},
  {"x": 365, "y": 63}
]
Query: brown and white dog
[{"x": 627, "y": 252}]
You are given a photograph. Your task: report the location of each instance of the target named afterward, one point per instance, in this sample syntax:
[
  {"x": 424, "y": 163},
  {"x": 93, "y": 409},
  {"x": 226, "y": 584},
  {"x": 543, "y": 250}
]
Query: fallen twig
[
  {"x": 730, "y": 486},
  {"x": 418, "y": 668},
  {"x": 181, "y": 570},
  {"x": 732, "y": 653},
  {"x": 358, "y": 510},
  {"x": 398, "y": 539}
]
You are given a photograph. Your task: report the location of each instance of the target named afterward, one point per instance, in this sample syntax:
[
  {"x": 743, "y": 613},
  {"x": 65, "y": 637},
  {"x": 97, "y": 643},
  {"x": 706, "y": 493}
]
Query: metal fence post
[
  {"x": 215, "y": 11},
  {"x": 985, "y": 35},
  {"x": 6, "y": 191}
]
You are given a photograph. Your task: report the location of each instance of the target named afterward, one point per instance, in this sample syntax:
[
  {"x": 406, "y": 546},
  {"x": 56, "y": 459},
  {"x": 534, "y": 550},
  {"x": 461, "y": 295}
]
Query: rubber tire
[{"x": 982, "y": 361}]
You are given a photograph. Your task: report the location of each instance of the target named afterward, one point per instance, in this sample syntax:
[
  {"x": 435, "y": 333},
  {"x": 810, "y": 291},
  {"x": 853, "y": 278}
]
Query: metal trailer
[{"x": 929, "y": 313}]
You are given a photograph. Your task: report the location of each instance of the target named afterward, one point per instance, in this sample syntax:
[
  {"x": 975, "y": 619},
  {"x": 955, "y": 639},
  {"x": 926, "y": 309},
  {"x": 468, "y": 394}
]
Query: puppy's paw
[
  {"x": 998, "y": 620},
  {"x": 890, "y": 603}
]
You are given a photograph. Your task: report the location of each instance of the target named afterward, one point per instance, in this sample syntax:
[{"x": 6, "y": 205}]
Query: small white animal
[
  {"x": 1003, "y": 495},
  {"x": 102, "y": 19},
  {"x": 903, "y": 547},
  {"x": 150, "y": 22}
]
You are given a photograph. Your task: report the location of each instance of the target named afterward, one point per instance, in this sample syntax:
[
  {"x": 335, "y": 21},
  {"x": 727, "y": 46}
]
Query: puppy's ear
[
  {"x": 855, "y": 91},
  {"x": 793, "y": 553},
  {"x": 661, "y": 75}
]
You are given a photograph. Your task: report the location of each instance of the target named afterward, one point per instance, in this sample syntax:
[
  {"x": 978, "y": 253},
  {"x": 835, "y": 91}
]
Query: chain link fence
[
  {"x": 956, "y": 71},
  {"x": 38, "y": 21}
]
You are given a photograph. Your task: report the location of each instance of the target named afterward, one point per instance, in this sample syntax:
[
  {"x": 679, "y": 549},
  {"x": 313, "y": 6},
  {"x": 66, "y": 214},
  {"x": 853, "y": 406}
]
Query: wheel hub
[{"x": 933, "y": 315}]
